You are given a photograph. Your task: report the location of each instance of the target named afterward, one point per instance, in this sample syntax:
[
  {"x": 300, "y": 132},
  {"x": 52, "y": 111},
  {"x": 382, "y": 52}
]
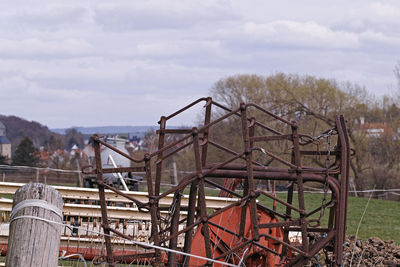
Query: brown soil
[{"x": 372, "y": 252}]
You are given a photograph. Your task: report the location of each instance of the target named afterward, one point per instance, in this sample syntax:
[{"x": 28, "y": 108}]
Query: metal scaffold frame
[{"x": 165, "y": 231}]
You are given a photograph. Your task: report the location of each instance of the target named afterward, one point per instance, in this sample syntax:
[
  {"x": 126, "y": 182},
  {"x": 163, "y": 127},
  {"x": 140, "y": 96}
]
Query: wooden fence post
[
  {"x": 80, "y": 179},
  {"x": 33, "y": 240}
]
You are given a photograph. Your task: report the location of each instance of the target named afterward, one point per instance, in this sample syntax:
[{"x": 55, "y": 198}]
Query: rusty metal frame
[{"x": 334, "y": 177}]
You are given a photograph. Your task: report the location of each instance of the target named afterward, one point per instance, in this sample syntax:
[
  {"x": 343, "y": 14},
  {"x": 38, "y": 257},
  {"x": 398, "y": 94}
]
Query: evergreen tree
[
  {"x": 25, "y": 154},
  {"x": 3, "y": 160},
  {"x": 73, "y": 137}
]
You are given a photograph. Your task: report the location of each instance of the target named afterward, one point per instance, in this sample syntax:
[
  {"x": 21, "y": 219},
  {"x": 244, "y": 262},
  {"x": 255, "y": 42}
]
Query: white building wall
[{"x": 5, "y": 150}]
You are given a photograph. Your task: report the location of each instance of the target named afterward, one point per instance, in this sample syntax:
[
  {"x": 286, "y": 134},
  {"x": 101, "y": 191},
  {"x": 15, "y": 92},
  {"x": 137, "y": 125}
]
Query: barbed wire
[
  {"x": 315, "y": 190},
  {"x": 11, "y": 167},
  {"x": 318, "y": 190}
]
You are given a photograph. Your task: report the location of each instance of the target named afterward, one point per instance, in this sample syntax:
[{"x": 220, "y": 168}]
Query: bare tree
[{"x": 314, "y": 102}]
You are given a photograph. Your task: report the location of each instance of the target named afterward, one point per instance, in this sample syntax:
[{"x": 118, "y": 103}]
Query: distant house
[
  {"x": 75, "y": 151},
  {"x": 5, "y": 144},
  {"x": 375, "y": 129}
]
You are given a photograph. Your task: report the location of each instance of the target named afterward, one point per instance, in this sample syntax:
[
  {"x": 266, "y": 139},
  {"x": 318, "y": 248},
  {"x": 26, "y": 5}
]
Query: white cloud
[
  {"x": 379, "y": 16},
  {"x": 129, "y": 62},
  {"x": 379, "y": 38},
  {"x": 38, "y": 48},
  {"x": 385, "y": 11},
  {"x": 175, "y": 48},
  {"x": 156, "y": 15},
  {"x": 306, "y": 34},
  {"x": 48, "y": 17}
]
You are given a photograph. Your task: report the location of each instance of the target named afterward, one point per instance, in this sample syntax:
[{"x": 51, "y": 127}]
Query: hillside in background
[
  {"x": 18, "y": 129},
  {"x": 41, "y": 136},
  {"x": 138, "y": 131},
  {"x": 64, "y": 138}
]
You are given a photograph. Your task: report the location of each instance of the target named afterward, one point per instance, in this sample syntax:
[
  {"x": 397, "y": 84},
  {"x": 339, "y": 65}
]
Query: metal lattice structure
[{"x": 251, "y": 233}]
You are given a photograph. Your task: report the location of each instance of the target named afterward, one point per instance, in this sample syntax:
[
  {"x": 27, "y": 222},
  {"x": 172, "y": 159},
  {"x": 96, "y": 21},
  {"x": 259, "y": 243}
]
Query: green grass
[
  {"x": 6, "y": 196},
  {"x": 382, "y": 217}
]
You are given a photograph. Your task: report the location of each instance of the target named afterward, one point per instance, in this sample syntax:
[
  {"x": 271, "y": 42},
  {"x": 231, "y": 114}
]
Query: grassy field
[{"x": 382, "y": 217}]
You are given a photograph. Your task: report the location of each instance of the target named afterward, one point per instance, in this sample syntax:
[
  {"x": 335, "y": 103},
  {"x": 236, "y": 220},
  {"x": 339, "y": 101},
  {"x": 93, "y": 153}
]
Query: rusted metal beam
[
  {"x": 103, "y": 204},
  {"x": 334, "y": 177}
]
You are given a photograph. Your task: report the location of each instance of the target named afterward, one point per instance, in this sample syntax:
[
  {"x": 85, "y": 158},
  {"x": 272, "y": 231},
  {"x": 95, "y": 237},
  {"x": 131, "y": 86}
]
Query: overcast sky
[{"x": 93, "y": 63}]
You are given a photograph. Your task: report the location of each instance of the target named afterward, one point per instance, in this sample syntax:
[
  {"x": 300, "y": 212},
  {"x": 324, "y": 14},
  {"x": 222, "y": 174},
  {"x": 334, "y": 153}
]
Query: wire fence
[{"x": 26, "y": 174}]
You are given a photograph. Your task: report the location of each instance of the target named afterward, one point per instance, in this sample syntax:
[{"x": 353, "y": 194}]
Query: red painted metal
[{"x": 224, "y": 240}]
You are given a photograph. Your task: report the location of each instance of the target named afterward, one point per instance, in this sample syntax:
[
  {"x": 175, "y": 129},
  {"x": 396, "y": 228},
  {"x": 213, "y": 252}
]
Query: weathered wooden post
[{"x": 34, "y": 239}]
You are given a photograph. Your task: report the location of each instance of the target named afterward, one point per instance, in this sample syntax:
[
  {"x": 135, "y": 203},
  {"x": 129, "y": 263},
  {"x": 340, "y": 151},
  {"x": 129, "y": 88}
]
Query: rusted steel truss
[{"x": 333, "y": 178}]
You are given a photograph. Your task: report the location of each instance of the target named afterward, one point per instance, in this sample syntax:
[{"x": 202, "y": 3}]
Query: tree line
[
  {"x": 29, "y": 138},
  {"x": 313, "y": 102}
]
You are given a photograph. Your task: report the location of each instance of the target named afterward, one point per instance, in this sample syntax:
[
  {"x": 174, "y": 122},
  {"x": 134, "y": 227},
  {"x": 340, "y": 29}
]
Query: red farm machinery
[{"x": 247, "y": 231}]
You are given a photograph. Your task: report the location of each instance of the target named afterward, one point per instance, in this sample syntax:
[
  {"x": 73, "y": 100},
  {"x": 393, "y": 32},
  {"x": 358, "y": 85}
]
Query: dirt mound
[{"x": 372, "y": 252}]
